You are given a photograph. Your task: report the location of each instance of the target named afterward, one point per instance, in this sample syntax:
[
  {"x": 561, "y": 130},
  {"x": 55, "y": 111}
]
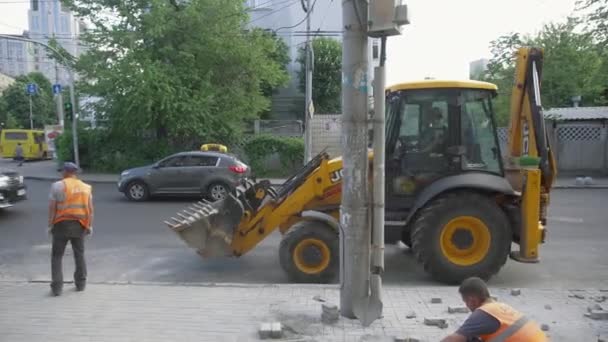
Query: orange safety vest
[
  {"x": 514, "y": 327},
  {"x": 75, "y": 206}
]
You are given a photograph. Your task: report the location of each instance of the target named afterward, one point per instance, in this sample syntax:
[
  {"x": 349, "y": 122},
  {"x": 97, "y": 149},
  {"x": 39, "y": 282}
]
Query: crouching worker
[{"x": 491, "y": 320}]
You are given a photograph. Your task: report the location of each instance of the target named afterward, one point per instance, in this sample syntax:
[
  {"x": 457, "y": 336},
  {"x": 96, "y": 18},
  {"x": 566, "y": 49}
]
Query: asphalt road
[{"x": 130, "y": 243}]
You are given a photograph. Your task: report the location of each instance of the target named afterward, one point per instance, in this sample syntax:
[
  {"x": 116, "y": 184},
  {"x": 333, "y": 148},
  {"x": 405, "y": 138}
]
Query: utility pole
[
  {"x": 309, "y": 110},
  {"x": 31, "y": 115},
  {"x": 355, "y": 236},
  {"x": 59, "y": 98}
]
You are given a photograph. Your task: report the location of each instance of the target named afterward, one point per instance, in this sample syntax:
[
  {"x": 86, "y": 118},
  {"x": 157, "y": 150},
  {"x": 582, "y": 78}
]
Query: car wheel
[
  {"x": 217, "y": 191},
  {"x": 137, "y": 191}
]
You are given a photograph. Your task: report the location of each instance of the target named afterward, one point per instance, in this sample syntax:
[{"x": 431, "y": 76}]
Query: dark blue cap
[{"x": 70, "y": 167}]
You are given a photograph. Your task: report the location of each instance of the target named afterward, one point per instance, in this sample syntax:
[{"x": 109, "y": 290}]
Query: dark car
[
  {"x": 209, "y": 174},
  {"x": 12, "y": 188}
]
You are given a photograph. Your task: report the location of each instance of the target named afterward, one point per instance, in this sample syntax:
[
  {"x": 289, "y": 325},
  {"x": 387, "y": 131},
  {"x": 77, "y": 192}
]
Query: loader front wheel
[
  {"x": 460, "y": 235},
  {"x": 309, "y": 252}
]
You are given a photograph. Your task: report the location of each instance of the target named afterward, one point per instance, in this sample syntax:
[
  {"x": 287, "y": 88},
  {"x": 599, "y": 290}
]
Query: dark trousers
[{"x": 64, "y": 232}]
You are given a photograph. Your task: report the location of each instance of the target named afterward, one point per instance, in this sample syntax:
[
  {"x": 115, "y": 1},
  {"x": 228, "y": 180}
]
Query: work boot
[
  {"x": 81, "y": 287},
  {"x": 56, "y": 293}
]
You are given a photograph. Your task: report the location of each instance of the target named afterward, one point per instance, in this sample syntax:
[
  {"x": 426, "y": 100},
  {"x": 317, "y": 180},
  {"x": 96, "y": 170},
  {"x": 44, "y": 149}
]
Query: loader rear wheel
[
  {"x": 309, "y": 252},
  {"x": 460, "y": 235}
]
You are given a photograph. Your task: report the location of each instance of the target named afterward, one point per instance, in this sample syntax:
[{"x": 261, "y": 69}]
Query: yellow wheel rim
[
  {"x": 311, "y": 256},
  {"x": 465, "y": 240}
]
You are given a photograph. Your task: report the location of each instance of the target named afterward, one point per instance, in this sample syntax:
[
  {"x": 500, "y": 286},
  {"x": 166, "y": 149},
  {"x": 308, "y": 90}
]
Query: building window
[
  {"x": 64, "y": 24},
  {"x": 35, "y": 5}
]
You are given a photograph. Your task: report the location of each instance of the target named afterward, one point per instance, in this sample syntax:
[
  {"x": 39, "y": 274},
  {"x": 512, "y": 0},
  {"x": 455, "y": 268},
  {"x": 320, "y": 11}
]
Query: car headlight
[
  {"x": 20, "y": 179},
  {"x": 3, "y": 181},
  {"x": 124, "y": 173}
]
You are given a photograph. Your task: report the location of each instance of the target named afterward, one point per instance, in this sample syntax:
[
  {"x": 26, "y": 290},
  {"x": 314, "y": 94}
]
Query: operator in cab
[
  {"x": 433, "y": 136},
  {"x": 491, "y": 320}
]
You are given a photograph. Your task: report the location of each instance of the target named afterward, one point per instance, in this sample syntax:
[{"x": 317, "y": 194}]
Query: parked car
[
  {"x": 209, "y": 174},
  {"x": 12, "y": 188}
]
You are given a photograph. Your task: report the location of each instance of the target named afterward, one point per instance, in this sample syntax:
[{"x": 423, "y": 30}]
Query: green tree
[
  {"x": 596, "y": 18},
  {"x": 573, "y": 65},
  {"x": 327, "y": 74},
  {"x": 15, "y": 105},
  {"x": 186, "y": 72}
]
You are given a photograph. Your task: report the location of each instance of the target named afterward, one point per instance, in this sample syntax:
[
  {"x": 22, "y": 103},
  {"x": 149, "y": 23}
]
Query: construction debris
[
  {"x": 319, "y": 299},
  {"x": 329, "y": 313},
  {"x": 438, "y": 322},
  {"x": 411, "y": 315},
  {"x": 548, "y": 307},
  {"x": 458, "y": 309},
  {"x": 406, "y": 339},
  {"x": 596, "y": 307},
  {"x": 544, "y": 327},
  {"x": 436, "y": 300},
  {"x": 515, "y": 292},
  {"x": 577, "y": 296},
  {"x": 270, "y": 330},
  {"x": 600, "y": 299},
  {"x": 598, "y": 315}
]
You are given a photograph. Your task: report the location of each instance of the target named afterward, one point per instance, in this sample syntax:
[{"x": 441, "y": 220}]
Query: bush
[
  {"x": 100, "y": 151},
  {"x": 259, "y": 148}
]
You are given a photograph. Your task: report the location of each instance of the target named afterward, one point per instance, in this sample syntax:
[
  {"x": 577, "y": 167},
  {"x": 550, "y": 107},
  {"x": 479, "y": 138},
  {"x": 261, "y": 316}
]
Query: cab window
[{"x": 477, "y": 133}]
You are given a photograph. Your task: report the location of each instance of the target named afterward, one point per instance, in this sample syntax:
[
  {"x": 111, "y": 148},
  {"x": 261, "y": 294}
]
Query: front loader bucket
[{"x": 209, "y": 227}]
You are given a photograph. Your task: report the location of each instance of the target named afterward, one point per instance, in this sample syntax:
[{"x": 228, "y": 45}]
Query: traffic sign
[
  {"x": 56, "y": 88},
  {"x": 31, "y": 88}
]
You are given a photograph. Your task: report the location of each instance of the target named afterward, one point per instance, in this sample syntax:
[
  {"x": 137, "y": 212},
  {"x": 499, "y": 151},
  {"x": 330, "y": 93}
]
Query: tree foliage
[
  {"x": 185, "y": 72},
  {"x": 573, "y": 65},
  {"x": 596, "y": 18},
  {"x": 327, "y": 74},
  {"x": 15, "y": 105}
]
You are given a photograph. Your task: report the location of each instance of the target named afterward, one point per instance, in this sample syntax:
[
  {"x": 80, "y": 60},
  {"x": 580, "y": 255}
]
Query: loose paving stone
[
  {"x": 577, "y": 296},
  {"x": 600, "y": 299},
  {"x": 434, "y": 321},
  {"x": 411, "y": 315},
  {"x": 436, "y": 300},
  {"x": 265, "y": 330},
  {"x": 598, "y": 315},
  {"x": 276, "y": 330},
  {"x": 548, "y": 307},
  {"x": 594, "y": 307},
  {"x": 544, "y": 327},
  {"x": 515, "y": 292},
  {"x": 319, "y": 299},
  {"x": 406, "y": 339},
  {"x": 458, "y": 309}
]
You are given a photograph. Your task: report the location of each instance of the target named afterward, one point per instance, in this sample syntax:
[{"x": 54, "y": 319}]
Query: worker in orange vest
[
  {"x": 491, "y": 320},
  {"x": 70, "y": 220}
]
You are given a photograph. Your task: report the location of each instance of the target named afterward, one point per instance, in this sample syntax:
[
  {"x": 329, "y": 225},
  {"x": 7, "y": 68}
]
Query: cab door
[{"x": 422, "y": 125}]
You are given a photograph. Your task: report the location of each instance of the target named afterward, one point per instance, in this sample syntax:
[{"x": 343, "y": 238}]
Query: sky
[{"x": 443, "y": 38}]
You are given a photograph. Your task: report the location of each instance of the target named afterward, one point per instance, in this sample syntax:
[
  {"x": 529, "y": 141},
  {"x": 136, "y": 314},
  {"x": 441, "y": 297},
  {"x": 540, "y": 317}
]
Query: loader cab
[{"x": 436, "y": 129}]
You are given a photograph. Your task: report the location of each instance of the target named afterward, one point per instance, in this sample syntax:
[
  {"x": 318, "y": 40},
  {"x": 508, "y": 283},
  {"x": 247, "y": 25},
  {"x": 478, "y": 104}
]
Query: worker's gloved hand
[
  {"x": 49, "y": 230},
  {"x": 90, "y": 231}
]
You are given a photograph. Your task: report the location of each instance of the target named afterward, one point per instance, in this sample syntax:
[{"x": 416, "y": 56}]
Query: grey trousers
[{"x": 64, "y": 232}]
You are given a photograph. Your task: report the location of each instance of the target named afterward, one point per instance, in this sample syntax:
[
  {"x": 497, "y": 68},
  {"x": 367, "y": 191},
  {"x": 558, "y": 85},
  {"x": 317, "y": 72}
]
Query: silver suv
[
  {"x": 12, "y": 188},
  {"x": 209, "y": 174}
]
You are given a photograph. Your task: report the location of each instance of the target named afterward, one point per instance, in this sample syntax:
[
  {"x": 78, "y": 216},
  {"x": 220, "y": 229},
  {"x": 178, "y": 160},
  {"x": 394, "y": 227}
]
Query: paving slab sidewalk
[{"x": 234, "y": 312}]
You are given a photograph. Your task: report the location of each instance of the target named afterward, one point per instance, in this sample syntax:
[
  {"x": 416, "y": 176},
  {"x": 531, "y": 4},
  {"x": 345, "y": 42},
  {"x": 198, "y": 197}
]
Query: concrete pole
[
  {"x": 355, "y": 236},
  {"x": 31, "y": 115},
  {"x": 308, "y": 103},
  {"x": 59, "y": 98},
  {"x": 74, "y": 119}
]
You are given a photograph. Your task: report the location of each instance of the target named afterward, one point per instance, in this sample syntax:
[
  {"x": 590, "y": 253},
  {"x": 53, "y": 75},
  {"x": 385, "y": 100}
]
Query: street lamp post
[{"x": 72, "y": 96}]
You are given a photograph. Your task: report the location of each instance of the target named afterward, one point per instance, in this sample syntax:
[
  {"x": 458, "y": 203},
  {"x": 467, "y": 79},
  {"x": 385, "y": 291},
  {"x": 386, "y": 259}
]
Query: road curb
[
  {"x": 94, "y": 181},
  {"x": 45, "y": 178},
  {"x": 84, "y": 179}
]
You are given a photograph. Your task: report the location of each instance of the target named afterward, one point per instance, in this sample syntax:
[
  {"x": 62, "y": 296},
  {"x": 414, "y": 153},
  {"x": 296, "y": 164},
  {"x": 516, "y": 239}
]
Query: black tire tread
[
  {"x": 422, "y": 225},
  {"x": 308, "y": 228},
  {"x": 137, "y": 181}
]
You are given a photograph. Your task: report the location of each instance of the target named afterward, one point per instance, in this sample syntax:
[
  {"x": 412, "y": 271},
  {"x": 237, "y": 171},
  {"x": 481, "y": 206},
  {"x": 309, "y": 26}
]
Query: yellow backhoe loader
[{"x": 450, "y": 193}]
